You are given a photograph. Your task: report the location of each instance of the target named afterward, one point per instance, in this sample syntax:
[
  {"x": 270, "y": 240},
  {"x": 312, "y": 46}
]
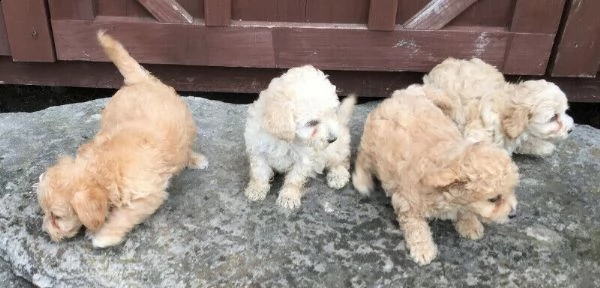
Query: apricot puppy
[
  {"x": 430, "y": 171},
  {"x": 119, "y": 178}
]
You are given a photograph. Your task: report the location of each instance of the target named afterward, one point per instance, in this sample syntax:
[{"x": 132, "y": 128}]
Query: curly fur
[
  {"x": 119, "y": 178},
  {"x": 526, "y": 118},
  {"x": 298, "y": 127},
  {"x": 430, "y": 171}
]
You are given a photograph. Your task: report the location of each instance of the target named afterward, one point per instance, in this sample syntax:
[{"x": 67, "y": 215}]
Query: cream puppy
[
  {"x": 297, "y": 127},
  {"x": 527, "y": 118},
  {"x": 430, "y": 171}
]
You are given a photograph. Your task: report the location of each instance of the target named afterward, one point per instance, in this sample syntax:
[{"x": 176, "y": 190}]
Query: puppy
[
  {"x": 298, "y": 127},
  {"x": 430, "y": 171},
  {"x": 526, "y": 118},
  {"x": 119, "y": 178}
]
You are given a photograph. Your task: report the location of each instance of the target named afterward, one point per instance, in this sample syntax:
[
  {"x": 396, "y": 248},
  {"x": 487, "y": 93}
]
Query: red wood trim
[
  {"x": 4, "y": 48},
  {"x": 437, "y": 13},
  {"x": 382, "y": 15},
  {"x": 28, "y": 30},
  {"x": 72, "y": 9},
  {"x": 537, "y": 16},
  {"x": 167, "y": 11},
  {"x": 578, "y": 51},
  {"x": 217, "y": 12}
]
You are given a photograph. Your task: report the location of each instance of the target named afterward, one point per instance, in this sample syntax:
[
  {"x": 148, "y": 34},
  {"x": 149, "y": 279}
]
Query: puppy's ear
[
  {"x": 515, "y": 121},
  {"x": 442, "y": 178},
  {"x": 278, "y": 119},
  {"x": 91, "y": 206}
]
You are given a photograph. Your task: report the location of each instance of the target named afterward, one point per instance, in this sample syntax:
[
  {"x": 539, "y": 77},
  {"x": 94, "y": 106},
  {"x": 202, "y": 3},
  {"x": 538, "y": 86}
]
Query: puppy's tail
[
  {"x": 131, "y": 70},
  {"x": 345, "y": 110}
]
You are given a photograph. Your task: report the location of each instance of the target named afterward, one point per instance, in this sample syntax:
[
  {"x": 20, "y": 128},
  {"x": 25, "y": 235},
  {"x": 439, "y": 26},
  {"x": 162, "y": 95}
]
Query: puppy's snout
[
  {"x": 570, "y": 130},
  {"x": 331, "y": 139},
  {"x": 512, "y": 214}
]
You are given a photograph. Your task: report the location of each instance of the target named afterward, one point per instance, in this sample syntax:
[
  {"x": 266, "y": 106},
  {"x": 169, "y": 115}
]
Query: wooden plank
[
  {"x": 578, "y": 51},
  {"x": 217, "y": 12},
  {"x": 537, "y": 16},
  {"x": 534, "y": 48},
  {"x": 331, "y": 11},
  {"x": 167, "y": 11},
  {"x": 4, "y": 47},
  {"x": 269, "y": 10},
  {"x": 437, "y": 14},
  {"x": 152, "y": 42},
  {"x": 28, "y": 30},
  {"x": 398, "y": 50},
  {"x": 382, "y": 15},
  {"x": 339, "y": 47},
  {"x": 489, "y": 13},
  {"x": 72, "y": 9},
  {"x": 239, "y": 80}
]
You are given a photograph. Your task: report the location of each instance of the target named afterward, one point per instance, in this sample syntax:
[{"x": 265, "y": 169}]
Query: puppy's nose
[
  {"x": 512, "y": 214},
  {"x": 331, "y": 139},
  {"x": 570, "y": 130}
]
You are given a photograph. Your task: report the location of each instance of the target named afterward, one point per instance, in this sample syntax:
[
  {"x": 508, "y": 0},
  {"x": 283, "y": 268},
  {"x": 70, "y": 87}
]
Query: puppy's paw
[
  {"x": 469, "y": 228},
  {"x": 423, "y": 253},
  {"x": 198, "y": 161},
  {"x": 256, "y": 191},
  {"x": 544, "y": 148},
  {"x": 289, "y": 198},
  {"x": 103, "y": 240},
  {"x": 337, "y": 178}
]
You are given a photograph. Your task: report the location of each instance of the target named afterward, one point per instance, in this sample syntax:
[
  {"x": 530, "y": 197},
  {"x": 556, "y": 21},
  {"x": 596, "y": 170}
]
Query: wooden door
[{"x": 363, "y": 35}]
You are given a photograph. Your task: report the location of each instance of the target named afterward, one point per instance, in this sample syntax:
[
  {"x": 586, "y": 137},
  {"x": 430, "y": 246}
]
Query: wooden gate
[{"x": 364, "y": 35}]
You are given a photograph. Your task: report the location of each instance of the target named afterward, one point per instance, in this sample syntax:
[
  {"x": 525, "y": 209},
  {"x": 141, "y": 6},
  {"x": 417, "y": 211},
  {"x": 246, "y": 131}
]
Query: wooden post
[
  {"x": 382, "y": 15},
  {"x": 217, "y": 12}
]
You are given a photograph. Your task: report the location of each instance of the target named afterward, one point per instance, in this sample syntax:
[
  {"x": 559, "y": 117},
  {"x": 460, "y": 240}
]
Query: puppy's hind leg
[
  {"x": 260, "y": 176},
  {"x": 121, "y": 220},
  {"x": 197, "y": 161},
  {"x": 362, "y": 178}
]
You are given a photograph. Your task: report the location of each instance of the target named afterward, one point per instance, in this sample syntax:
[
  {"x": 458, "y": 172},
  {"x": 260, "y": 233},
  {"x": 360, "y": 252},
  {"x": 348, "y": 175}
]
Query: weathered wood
[
  {"x": 28, "y": 30},
  {"x": 167, "y": 11},
  {"x": 382, "y": 15},
  {"x": 269, "y": 10},
  {"x": 528, "y": 54},
  {"x": 129, "y": 8},
  {"x": 537, "y": 16},
  {"x": 334, "y": 11},
  {"x": 217, "y": 12},
  {"x": 339, "y": 47},
  {"x": 578, "y": 51},
  {"x": 72, "y": 9},
  {"x": 239, "y": 80},
  {"x": 437, "y": 14},
  {"x": 4, "y": 47}
]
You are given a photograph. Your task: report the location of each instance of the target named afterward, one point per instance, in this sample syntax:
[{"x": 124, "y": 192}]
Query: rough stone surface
[{"x": 207, "y": 234}]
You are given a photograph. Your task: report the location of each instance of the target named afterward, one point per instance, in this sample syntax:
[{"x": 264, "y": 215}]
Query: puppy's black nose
[
  {"x": 512, "y": 215},
  {"x": 570, "y": 130},
  {"x": 331, "y": 139}
]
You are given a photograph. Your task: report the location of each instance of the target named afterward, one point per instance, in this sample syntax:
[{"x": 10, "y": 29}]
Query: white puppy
[
  {"x": 525, "y": 118},
  {"x": 298, "y": 127}
]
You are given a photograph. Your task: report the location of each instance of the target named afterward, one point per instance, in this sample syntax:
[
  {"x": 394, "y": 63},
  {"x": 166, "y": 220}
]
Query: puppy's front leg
[
  {"x": 536, "y": 146},
  {"x": 418, "y": 239},
  {"x": 292, "y": 190},
  {"x": 468, "y": 226},
  {"x": 121, "y": 220},
  {"x": 260, "y": 175}
]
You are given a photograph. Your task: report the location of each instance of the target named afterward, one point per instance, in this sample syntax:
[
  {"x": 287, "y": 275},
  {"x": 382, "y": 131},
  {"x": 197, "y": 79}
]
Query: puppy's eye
[
  {"x": 495, "y": 199},
  {"x": 554, "y": 118},
  {"x": 312, "y": 123}
]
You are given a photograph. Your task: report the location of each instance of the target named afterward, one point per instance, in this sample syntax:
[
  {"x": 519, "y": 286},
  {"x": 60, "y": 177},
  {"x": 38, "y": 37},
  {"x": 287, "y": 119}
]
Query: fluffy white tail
[
  {"x": 131, "y": 70},
  {"x": 345, "y": 110}
]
